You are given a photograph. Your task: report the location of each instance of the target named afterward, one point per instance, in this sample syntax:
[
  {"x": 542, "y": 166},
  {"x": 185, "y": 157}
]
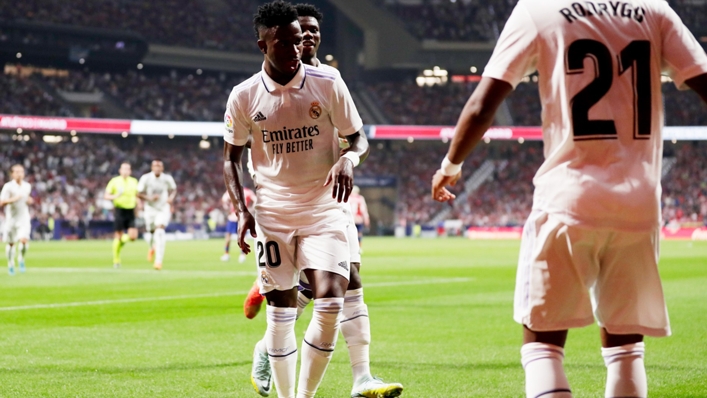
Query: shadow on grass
[{"x": 123, "y": 370}]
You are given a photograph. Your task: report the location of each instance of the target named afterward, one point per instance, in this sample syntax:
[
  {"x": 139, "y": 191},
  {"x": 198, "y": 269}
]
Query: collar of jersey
[{"x": 296, "y": 82}]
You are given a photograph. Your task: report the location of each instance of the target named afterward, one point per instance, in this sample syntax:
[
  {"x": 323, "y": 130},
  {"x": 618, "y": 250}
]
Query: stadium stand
[
  {"x": 22, "y": 96},
  {"x": 482, "y": 21},
  {"x": 216, "y": 24}
]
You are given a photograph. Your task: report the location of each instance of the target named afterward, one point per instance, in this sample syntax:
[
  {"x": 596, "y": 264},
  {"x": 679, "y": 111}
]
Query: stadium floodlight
[
  {"x": 52, "y": 139},
  {"x": 473, "y": 69},
  {"x": 204, "y": 144},
  {"x": 124, "y": 134},
  {"x": 329, "y": 57},
  {"x": 199, "y": 71},
  {"x": 74, "y": 139},
  {"x": 19, "y": 130},
  {"x": 139, "y": 66},
  {"x": 18, "y": 55}
]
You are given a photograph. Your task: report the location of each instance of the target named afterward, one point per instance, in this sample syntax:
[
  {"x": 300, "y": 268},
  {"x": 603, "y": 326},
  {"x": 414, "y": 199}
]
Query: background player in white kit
[
  {"x": 15, "y": 196},
  {"x": 291, "y": 111},
  {"x": 232, "y": 223},
  {"x": 355, "y": 325},
  {"x": 590, "y": 245},
  {"x": 158, "y": 191}
]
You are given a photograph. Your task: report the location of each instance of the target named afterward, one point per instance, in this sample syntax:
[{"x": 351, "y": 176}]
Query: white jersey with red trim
[
  {"x": 295, "y": 143},
  {"x": 599, "y": 65}
]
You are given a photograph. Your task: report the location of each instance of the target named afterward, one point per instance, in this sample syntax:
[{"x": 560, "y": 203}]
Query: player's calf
[
  {"x": 626, "y": 372},
  {"x": 544, "y": 375}
]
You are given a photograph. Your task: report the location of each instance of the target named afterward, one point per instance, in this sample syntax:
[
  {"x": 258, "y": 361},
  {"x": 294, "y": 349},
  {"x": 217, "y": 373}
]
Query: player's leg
[
  {"x": 542, "y": 355},
  {"x": 227, "y": 246},
  {"x": 119, "y": 225},
  {"x": 629, "y": 304},
  {"x": 23, "y": 245},
  {"x": 324, "y": 257},
  {"x": 149, "y": 217},
  {"x": 556, "y": 267},
  {"x": 275, "y": 255},
  {"x": 8, "y": 237},
  {"x": 320, "y": 338},
  {"x": 161, "y": 221}
]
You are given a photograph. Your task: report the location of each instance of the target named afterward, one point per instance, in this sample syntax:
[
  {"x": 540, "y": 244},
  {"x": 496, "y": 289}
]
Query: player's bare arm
[
  {"x": 342, "y": 173},
  {"x": 233, "y": 177},
  {"x": 698, "y": 84},
  {"x": 475, "y": 119}
]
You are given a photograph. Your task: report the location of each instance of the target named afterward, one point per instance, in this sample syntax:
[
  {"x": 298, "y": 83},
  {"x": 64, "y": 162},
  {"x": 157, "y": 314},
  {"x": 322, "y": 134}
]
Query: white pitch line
[{"x": 191, "y": 296}]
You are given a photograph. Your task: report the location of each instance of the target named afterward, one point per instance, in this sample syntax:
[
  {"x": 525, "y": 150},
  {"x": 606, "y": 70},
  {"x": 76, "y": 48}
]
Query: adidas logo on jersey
[{"x": 259, "y": 117}]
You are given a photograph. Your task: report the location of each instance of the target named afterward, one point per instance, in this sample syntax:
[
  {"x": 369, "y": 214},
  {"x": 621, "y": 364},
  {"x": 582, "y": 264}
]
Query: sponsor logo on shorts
[
  {"x": 344, "y": 264},
  {"x": 315, "y": 111}
]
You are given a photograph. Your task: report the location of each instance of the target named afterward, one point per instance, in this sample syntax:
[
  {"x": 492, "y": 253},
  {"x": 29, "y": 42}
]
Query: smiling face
[
  {"x": 311, "y": 38},
  {"x": 282, "y": 46}
]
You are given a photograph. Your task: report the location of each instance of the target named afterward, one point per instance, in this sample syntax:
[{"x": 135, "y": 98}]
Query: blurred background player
[
  {"x": 15, "y": 196},
  {"x": 355, "y": 325},
  {"x": 232, "y": 223},
  {"x": 157, "y": 190},
  {"x": 590, "y": 245},
  {"x": 122, "y": 190},
  {"x": 360, "y": 212}
]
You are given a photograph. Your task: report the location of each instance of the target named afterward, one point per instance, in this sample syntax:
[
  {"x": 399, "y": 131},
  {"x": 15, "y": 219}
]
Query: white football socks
[
  {"x": 318, "y": 345},
  {"x": 302, "y": 302},
  {"x": 356, "y": 329},
  {"x": 282, "y": 348},
  {"x": 544, "y": 375},
  {"x": 261, "y": 347},
  {"x": 160, "y": 243},
  {"x": 10, "y": 254},
  {"x": 23, "y": 250},
  {"x": 626, "y": 372}
]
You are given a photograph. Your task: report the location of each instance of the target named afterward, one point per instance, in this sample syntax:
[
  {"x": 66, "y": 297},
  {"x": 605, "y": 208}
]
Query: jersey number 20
[
  {"x": 635, "y": 57},
  {"x": 270, "y": 251}
]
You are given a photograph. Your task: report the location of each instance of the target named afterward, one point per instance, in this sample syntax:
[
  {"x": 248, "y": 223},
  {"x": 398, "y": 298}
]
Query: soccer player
[
  {"x": 360, "y": 212},
  {"x": 355, "y": 326},
  {"x": 291, "y": 111},
  {"x": 232, "y": 223},
  {"x": 15, "y": 196},
  {"x": 158, "y": 191},
  {"x": 122, "y": 190},
  {"x": 590, "y": 245}
]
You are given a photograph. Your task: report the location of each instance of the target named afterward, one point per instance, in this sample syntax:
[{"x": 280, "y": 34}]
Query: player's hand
[
  {"x": 30, "y": 200},
  {"x": 342, "y": 177},
  {"x": 439, "y": 183},
  {"x": 246, "y": 222}
]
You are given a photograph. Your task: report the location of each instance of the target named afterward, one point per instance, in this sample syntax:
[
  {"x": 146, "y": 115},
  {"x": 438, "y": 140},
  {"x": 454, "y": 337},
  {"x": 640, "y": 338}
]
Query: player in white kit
[
  {"x": 15, "y": 196},
  {"x": 355, "y": 325},
  {"x": 590, "y": 245},
  {"x": 157, "y": 190},
  {"x": 291, "y": 112}
]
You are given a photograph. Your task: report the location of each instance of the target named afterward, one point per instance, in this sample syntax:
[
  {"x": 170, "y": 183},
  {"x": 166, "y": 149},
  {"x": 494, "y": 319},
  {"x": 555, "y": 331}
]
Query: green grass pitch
[{"x": 441, "y": 315}]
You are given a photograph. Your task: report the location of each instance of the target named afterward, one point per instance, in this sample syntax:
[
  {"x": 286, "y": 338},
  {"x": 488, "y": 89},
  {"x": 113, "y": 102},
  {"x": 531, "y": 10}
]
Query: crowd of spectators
[
  {"x": 483, "y": 20},
  {"x": 216, "y": 24},
  {"x": 445, "y": 20},
  {"x": 685, "y": 184},
  {"x": 440, "y": 105},
  {"x": 68, "y": 179},
  {"x": 20, "y": 95}
]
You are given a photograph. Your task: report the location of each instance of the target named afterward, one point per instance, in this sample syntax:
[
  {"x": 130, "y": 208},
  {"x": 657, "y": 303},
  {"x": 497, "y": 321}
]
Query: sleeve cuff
[
  {"x": 687, "y": 74},
  {"x": 504, "y": 77}
]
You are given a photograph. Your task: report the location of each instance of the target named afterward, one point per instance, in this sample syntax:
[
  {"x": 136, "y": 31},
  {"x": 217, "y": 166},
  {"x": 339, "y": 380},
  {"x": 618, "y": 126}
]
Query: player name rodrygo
[{"x": 290, "y": 136}]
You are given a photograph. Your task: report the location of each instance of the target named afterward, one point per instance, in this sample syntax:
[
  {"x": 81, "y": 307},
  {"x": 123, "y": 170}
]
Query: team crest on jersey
[
  {"x": 229, "y": 122},
  {"x": 315, "y": 110}
]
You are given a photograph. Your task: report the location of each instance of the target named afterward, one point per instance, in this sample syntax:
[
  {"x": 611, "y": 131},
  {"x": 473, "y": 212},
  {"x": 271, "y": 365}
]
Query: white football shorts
[
  {"x": 155, "y": 217},
  {"x": 14, "y": 230},
  {"x": 568, "y": 276},
  {"x": 288, "y": 244}
]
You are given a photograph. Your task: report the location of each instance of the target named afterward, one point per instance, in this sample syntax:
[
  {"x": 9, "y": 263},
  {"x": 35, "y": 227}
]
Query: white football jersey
[
  {"x": 17, "y": 210},
  {"x": 599, "y": 65},
  {"x": 295, "y": 143},
  {"x": 150, "y": 184}
]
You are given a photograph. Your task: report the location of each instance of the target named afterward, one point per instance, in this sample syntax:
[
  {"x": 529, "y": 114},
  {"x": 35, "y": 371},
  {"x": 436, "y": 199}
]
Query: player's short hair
[
  {"x": 126, "y": 162},
  {"x": 157, "y": 160},
  {"x": 309, "y": 10},
  {"x": 276, "y": 13},
  {"x": 16, "y": 165}
]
